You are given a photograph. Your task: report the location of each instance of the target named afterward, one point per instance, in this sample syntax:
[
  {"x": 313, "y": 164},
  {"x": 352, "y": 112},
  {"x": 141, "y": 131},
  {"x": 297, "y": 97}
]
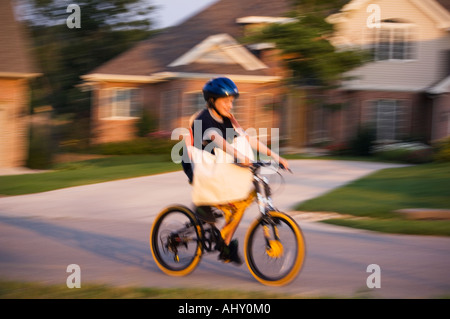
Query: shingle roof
[
  {"x": 15, "y": 56},
  {"x": 153, "y": 55}
]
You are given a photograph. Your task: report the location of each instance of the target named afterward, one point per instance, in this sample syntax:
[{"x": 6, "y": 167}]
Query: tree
[
  {"x": 304, "y": 44},
  {"x": 97, "y": 14},
  {"x": 64, "y": 54}
]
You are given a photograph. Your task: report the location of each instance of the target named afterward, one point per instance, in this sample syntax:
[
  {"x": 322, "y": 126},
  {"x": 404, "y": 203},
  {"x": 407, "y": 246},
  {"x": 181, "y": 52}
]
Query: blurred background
[
  {"x": 116, "y": 77},
  {"x": 90, "y": 91}
]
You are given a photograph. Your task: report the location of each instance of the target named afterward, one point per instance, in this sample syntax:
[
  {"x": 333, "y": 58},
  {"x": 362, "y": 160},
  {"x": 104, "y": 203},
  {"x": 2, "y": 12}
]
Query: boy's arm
[
  {"x": 257, "y": 145},
  {"x": 261, "y": 148},
  {"x": 221, "y": 143}
]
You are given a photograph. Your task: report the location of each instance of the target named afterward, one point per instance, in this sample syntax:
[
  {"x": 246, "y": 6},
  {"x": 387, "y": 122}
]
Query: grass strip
[
  {"x": 27, "y": 290},
  {"x": 86, "y": 172},
  {"x": 378, "y": 195}
]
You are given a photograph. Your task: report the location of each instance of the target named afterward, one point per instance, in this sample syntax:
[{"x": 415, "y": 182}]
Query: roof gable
[
  {"x": 157, "y": 53},
  {"x": 220, "y": 49}
]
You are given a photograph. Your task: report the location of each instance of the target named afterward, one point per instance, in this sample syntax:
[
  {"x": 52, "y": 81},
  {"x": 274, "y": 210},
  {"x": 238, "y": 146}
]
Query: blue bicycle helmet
[{"x": 219, "y": 87}]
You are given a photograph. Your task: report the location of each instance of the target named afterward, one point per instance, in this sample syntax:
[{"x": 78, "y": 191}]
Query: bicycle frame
[
  {"x": 233, "y": 212},
  {"x": 263, "y": 193}
]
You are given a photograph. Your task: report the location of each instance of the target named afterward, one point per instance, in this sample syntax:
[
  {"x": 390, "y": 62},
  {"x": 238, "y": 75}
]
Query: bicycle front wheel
[
  {"x": 175, "y": 241},
  {"x": 275, "y": 252}
]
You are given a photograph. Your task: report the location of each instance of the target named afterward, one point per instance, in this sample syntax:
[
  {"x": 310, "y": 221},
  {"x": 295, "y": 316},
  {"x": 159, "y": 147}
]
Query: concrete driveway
[{"x": 104, "y": 228}]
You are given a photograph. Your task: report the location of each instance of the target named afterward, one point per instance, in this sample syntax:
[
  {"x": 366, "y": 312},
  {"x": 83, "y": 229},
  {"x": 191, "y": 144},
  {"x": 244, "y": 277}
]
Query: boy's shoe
[
  {"x": 230, "y": 253},
  {"x": 206, "y": 214}
]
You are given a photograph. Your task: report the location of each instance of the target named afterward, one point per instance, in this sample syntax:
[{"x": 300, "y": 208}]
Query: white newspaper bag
[{"x": 216, "y": 179}]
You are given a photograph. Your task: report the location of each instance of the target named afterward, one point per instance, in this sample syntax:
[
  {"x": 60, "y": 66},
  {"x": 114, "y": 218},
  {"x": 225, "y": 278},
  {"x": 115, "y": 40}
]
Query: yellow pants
[{"x": 233, "y": 213}]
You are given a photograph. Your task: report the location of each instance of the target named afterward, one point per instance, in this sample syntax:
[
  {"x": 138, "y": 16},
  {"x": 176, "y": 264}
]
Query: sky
[
  {"x": 173, "y": 12},
  {"x": 167, "y": 12}
]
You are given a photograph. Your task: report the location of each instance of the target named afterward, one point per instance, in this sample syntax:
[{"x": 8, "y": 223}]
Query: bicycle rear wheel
[
  {"x": 175, "y": 241},
  {"x": 275, "y": 252}
]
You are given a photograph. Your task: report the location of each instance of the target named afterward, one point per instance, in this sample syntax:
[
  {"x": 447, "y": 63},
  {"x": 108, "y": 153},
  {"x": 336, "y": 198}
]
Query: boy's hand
[{"x": 284, "y": 163}]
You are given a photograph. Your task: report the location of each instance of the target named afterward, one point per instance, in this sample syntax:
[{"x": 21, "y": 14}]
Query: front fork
[
  {"x": 274, "y": 248},
  {"x": 263, "y": 195}
]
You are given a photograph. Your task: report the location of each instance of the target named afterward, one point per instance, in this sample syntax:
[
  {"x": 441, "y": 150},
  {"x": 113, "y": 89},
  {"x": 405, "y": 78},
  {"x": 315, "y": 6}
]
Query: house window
[
  {"x": 393, "y": 41},
  {"x": 389, "y": 119},
  {"x": 120, "y": 103},
  {"x": 194, "y": 102}
]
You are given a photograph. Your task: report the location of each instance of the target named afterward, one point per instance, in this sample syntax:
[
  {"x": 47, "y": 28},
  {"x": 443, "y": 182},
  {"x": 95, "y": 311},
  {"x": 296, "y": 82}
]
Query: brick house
[
  {"x": 16, "y": 69},
  {"x": 165, "y": 74},
  {"x": 404, "y": 91}
]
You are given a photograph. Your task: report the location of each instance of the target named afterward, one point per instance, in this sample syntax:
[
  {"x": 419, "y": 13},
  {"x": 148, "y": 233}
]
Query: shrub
[
  {"x": 146, "y": 124},
  {"x": 363, "y": 142},
  {"x": 72, "y": 134},
  {"x": 413, "y": 153},
  {"x": 442, "y": 148},
  {"x": 40, "y": 152},
  {"x": 339, "y": 149},
  {"x": 138, "y": 146}
]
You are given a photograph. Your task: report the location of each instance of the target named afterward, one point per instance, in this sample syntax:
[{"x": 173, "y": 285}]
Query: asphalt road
[{"x": 104, "y": 228}]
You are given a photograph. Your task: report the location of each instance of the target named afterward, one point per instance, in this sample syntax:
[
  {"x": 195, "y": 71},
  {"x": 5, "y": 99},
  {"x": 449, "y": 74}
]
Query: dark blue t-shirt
[
  {"x": 202, "y": 123},
  {"x": 225, "y": 128}
]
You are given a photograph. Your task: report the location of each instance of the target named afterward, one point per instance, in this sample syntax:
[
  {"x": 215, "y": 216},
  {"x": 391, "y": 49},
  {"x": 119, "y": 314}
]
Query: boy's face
[{"x": 224, "y": 105}]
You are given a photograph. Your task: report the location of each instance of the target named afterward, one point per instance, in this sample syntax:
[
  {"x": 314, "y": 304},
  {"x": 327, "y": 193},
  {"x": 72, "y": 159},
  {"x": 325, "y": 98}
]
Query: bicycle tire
[
  {"x": 155, "y": 238},
  {"x": 255, "y": 266}
]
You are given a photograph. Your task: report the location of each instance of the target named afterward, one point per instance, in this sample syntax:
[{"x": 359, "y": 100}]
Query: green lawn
[
  {"x": 378, "y": 195},
  {"x": 86, "y": 172},
  {"x": 23, "y": 290}
]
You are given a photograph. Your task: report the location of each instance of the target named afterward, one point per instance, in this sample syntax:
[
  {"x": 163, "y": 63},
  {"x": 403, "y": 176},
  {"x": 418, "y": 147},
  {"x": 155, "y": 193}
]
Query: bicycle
[{"x": 274, "y": 246}]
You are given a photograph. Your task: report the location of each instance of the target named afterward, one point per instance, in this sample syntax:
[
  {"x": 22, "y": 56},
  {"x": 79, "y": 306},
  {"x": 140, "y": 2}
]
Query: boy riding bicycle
[{"x": 214, "y": 125}]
